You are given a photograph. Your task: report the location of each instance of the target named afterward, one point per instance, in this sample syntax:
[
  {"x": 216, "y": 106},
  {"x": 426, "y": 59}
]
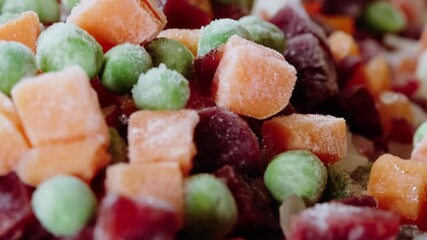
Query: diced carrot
[
  {"x": 13, "y": 145},
  {"x": 59, "y": 106},
  {"x": 188, "y": 37},
  {"x": 341, "y": 23},
  {"x": 112, "y": 22},
  {"x": 24, "y": 29},
  {"x": 156, "y": 136},
  {"x": 378, "y": 75},
  {"x": 252, "y": 80},
  {"x": 81, "y": 158},
  {"x": 393, "y": 105},
  {"x": 325, "y": 136},
  {"x": 400, "y": 186},
  {"x": 160, "y": 181},
  {"x": 375, "y": 75},
  {"x": 7, "y": 109},
  {"x": 342, "y": 45}
]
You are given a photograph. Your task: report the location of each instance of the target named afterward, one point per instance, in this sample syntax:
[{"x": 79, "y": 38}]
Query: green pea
[
  {"x": 297, "y": 172},
  {"x": 210, "y": 208},
  {"x": 218, "y": 32},
  {"x": 382, "y": 16},
  {"x": 63, "y": 45},
  {"x": 17, "y": 62},
  {"x": 69, "y": 4},
  {"x": 340, "y": 184},
  {"x": 63, "y": 205},
  {"x": 123, "y": 64},
  {"x": 5, "y": 17},
  {"x": 118, "y": 147},
  {"x": 47, "y": 10},
  {"x": 264, "y": 33},
  {"x": 173, "y": 54},
  {"x": 419, "y": 133},
  {"x": 161, "y": 89}
]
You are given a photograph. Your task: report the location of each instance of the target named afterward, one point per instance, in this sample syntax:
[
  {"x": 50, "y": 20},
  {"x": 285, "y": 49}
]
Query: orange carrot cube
[
  {"x": 252, "y": 80},
  {"x": 400, "y": 186},
  {"x": 156, "y": 136},
  {"x": 7, "y": 109},
  {"x": 24, "y": 29},
  {"x": 342, "y": 45},
  {"x": 13, "y": 146},
  {"x": 188, "y": 37},
  {"x": 112, "y": 22},
  {"x": 58, "y": 107},
  {"x": 325, "y": 136},
  {"x": 393, "y": 105},
  {"x": 160, "y": 181},
  {"x": 81, "y": 158}
]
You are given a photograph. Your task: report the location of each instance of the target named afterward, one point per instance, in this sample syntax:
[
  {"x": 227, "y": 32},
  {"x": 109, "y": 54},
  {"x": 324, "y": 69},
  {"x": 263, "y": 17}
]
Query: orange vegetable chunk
[
  {"x": 58, "y": 107},
  {"x": 252, "y": 80},
  {"x": 7, "y": 109},
  {"x": 13, "y": 145},
  {"x": 81, "y": 158},
  {"x": 393, "y": 105},
  {"x": 378, "y": 75},
  {"x": 160, "y": 181},
  {"x": 188, "y": 37},
  {"x": 24, "y": 29},
  {"x": 156, "y": 136},
  {"x": 112, "y": 22},
  {"x": 325, "y": 136},
  {"x": 400, "y": 186},
  {"x": 342, "y": 45}
]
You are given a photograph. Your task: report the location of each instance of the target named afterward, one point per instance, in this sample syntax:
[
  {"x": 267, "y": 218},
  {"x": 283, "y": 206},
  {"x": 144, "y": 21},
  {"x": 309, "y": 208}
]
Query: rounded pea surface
[
  {"x": 210, "y": 208},
  {"x": 63, "y": 45},
  {"x": 123, "y": 65},
  {"x": 173, "y": 54},
  {"x": 218, "y": 32},
  {"x": 297, "y": 172},
  {"x": 63, "y": 205},
  {"x": 383, "y": 17},
  {"x": 17, "y": 61},
  {"x": 264, "y": 33},
  {"x": 47, "y": 10},
  {"x": 161, "y": 89}
]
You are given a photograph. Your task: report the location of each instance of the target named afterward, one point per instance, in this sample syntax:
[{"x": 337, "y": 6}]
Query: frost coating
[{"x": 63, "y": 45}]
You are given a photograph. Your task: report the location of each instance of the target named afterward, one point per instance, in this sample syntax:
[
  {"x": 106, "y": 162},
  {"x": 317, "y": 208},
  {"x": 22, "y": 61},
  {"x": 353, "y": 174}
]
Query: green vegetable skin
[
  {"x": 63, "y": 205},
  {"x": 218, "y": 32},
  {"x": 383, "y": 17},
  {"x": 264, "y": 33},
  {"x": 419, "y": 133},
  {"x": 47, "y": 10},
  {"x": 210, "y": 209},
  {"x": 297, "y": 172},
  {"x": 63, "y": 45},
  {"x": 17, "y": 61},
  {"x": 161, "y": 89},
  {"x": 123, "y": 65},
  {"x": 173, "y": 54}
]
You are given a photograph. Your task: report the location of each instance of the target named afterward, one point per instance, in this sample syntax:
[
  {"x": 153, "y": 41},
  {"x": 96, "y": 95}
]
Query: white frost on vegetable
[{"x": 268, "y": 8}]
